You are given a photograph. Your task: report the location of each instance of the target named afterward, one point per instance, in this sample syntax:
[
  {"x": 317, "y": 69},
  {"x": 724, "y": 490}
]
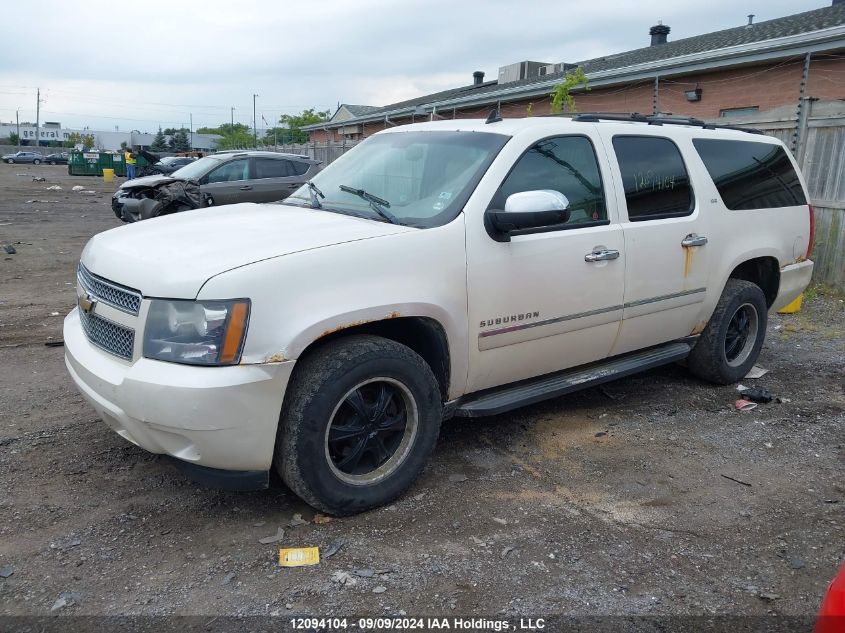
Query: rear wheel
[
  {"x": 52, "y": 162},
  {"x": 730, "y": 344},
  {"x": 36, "y": 162},
  {"x": 360, "y": 421}
]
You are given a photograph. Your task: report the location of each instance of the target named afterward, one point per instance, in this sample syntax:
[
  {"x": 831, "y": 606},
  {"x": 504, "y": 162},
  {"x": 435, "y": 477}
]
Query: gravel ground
[{"x": 648, "y": 496}]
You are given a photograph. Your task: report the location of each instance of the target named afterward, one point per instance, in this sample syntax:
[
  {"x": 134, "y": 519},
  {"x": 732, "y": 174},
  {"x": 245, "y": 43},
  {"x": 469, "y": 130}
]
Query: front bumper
[
  {"x": 218, "y": 417},
  {"x": 794, "y": 278}
]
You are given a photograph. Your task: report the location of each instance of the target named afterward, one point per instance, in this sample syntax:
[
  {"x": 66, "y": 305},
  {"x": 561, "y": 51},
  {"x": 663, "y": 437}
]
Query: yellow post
[
  {"x": 108, "y": 174},
  {"x": 795, "y": 306}
]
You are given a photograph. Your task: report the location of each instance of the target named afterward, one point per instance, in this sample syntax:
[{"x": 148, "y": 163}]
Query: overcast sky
[{"x": 140, "y": 63}]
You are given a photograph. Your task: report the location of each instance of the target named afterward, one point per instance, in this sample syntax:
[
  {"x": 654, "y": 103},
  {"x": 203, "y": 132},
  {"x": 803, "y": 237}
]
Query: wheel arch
[
  {"x": 762, "y": 271},
  {"x": 424, "y": 335}
]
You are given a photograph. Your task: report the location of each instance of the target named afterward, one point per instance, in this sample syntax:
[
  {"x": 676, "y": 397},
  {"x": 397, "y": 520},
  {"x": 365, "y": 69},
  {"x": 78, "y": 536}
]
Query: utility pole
[
  {"x": 233, "y": 118},
  {"x": 37, "y": 117},
  {"x": 18, "y": 124},
  {"x": 192, "y": 131},
  {"x": 254, "y": 127}
]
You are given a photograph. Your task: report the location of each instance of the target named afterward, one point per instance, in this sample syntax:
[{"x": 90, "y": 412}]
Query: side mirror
[{"x": 527, "y": 210}]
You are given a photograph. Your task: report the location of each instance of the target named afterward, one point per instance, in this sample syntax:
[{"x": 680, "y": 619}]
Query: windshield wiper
[
  {"x": 316, "y": 194},
  {"x": 379, "y": 205}
]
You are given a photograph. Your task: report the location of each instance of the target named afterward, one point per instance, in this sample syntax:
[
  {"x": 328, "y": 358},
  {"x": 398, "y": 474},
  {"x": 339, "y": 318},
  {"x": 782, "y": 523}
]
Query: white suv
[{"x": 451, "y": 268}]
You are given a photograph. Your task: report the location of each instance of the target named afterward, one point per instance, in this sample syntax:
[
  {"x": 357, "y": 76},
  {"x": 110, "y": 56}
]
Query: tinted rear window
[
  {"x": 751, "y": 175},
  {"x": 655, "y": 178}
]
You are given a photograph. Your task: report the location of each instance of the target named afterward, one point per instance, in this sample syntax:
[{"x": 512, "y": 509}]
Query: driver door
[{"x": 536, "y": 304}]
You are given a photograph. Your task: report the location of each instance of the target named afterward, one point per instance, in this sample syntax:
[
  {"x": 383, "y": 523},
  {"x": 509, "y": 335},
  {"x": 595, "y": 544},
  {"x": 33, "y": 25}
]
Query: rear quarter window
[
  {"x": 654, "y": 176},
  {"x": 751, "y": 175}
]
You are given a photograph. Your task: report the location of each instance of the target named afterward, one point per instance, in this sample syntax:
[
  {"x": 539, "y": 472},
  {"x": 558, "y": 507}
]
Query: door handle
[
  {"x": 246, "y": 188},
  {"x": 600, "y": 256},
  {"x": 694, "y": 240}
]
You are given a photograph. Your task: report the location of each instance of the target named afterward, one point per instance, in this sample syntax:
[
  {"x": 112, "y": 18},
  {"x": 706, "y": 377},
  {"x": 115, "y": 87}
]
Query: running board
[{"x": 534, "y": 390}]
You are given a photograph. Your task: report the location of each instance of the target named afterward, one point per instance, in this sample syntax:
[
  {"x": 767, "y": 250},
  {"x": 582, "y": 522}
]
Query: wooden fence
[{"x": 817, "y": 140}]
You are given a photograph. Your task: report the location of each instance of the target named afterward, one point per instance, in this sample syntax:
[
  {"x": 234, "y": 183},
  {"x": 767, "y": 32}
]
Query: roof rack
[{"x": 654, "y": 119}]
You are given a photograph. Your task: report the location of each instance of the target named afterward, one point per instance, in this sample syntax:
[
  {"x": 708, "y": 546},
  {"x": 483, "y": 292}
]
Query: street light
[{"x": 254, "y": 127}]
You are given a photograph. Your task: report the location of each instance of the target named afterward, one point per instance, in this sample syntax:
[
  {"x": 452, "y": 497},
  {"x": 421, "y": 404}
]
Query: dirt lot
[{"x": 617, "y": 500}]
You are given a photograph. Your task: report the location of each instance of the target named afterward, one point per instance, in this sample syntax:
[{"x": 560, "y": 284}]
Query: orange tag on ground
[{"x": 299, "y": 556}]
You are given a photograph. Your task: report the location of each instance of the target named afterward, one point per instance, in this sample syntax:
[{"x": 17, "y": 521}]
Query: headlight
[{"x": 196, "y": 332}]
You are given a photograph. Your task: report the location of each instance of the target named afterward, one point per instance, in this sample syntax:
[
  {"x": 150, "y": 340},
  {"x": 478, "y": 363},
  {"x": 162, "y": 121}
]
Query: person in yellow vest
[{"x": 130, "y": 164}]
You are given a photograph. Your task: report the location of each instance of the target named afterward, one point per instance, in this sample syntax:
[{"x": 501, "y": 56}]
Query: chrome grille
[
  {"x": 120, "y": 297},
  {"x": 113, "y": 338}
]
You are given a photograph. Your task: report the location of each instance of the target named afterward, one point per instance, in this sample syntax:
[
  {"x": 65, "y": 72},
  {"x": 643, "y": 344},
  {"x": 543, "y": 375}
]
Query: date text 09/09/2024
[{"x": 417, "y": 624}]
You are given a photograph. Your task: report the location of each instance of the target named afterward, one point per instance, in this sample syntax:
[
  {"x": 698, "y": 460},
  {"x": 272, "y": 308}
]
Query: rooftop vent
[
  {"x": 477, "y": 78},
  {"x": 658, "y": 34},
  {"x": 519, "y": 71}
]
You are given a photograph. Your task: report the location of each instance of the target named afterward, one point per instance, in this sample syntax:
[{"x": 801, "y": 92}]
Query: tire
[
  {"x": 36, "y": 162},
  {"x": 730, "y": 344},
  {"x": 329, "y": 391},
  {"x": 11, "y": 161},
  {"x": 52, "y": 162}
]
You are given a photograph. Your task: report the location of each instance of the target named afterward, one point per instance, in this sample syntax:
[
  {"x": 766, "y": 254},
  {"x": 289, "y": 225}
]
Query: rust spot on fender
[
  {"x": 275, "y": 358},
  {"x": 395, "y": 314},
  {"x": 342, "y": 326}
]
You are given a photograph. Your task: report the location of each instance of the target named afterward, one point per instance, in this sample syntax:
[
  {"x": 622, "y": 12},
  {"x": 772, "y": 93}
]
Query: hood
[
  {"x": 174, "y": 255},
  {"x": 146, "y": 181}
]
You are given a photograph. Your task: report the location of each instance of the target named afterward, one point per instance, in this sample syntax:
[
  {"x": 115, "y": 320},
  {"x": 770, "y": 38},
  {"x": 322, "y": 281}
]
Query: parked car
[
  {"x": 24, "y": 157},
  {"x": 169, "y": 164},
  {"x": 450, "y": 268},
  {"x": 226, "y": 179},
  {"x": 57, "y": 159}
]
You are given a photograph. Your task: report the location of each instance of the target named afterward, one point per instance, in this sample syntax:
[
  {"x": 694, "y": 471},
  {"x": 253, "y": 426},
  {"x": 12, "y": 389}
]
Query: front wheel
[
  {"x": 52, "y": 162},
  {"x": 36, "y": 162},
  {"x": 11, "y": 161},
  {"x": 730, "y": 344},
  {"x": 360, "y": 421}
]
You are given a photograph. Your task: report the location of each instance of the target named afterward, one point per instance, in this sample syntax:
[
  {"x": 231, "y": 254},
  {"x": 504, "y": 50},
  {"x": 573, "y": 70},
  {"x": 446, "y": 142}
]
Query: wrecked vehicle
[
  {"x": 218, "y": 179},
  {"x": 449, "y": 268}
]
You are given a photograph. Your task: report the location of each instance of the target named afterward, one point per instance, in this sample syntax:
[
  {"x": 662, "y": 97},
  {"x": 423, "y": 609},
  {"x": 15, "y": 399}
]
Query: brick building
[{"x": 734, "y": 73}]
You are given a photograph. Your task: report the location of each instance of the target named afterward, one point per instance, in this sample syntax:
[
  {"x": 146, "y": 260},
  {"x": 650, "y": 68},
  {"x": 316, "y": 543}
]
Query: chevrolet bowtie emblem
[{"x": 87, "y": 303}]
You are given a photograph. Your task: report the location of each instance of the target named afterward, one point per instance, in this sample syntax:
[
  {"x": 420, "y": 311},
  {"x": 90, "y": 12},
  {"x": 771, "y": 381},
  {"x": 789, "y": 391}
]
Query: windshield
[
  {"x": 197, "y": 169},
  {"x": 424, "y": 177}
]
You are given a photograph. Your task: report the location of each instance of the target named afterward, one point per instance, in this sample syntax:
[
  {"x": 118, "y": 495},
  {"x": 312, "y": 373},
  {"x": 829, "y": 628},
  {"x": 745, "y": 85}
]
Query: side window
[
  {"x": 751, "y": 175},
  {"x": 654, "y": 177},
  {"x": 272, "y": 168},
  {"x": 299, "y": 168},
  {"x": 231, "y": 172},
  {"x": 566, "y": 164}
]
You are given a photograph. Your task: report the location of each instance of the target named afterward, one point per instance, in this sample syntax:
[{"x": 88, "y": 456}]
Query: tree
[
  {"x": 292, "y": 124},
  {"x": 180, "y": 142},
  {"x": 237, "y": 136},
  {"x": 73, "y": 139},
  {"x": 87, "y": 141},
  {"x": 562, "y": 93},
  {"x": 159, "y": 142},
  {"x": 14, "y": 139}
]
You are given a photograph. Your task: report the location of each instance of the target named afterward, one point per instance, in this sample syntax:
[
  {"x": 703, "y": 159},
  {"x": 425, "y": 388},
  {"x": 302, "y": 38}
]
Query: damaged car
[{"x": 249, "y": 176}]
